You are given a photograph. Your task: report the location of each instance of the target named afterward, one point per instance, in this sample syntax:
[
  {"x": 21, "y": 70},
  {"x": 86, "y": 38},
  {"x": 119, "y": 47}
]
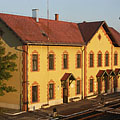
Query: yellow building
[{"x": 59, "y": 62}]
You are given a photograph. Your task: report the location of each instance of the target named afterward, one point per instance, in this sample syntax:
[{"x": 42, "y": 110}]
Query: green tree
[{"x": 7, "y": 66}]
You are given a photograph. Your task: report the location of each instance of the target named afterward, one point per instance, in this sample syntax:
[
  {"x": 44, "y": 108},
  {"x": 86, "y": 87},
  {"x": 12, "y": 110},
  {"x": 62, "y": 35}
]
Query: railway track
[
  {"x": 90, "y": 114},
  {"x": 84, "y": 116}
]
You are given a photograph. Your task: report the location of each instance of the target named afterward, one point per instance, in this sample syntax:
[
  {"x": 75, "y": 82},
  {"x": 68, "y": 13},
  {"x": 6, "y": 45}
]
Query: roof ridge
[
  {"x": 14, "y": 15},
  {"x": 52, "y": 20},
  {"x": 91, "y": 22}
]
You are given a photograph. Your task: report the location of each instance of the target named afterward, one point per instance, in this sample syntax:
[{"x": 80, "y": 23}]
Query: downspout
[
  {"x": 27, "y": 74},
  {"x": 112, "y": 62},
  {"x": 82, "y": 67},
  {"x": 25, "y": 78}
]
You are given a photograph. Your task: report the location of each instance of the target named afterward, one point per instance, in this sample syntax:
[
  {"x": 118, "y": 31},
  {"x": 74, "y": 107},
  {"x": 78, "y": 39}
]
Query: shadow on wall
[{"x": 9, "y": 37}]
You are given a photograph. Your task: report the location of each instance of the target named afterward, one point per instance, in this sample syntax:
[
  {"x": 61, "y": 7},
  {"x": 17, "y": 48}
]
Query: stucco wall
[
  {"x": 12, "y": 44},
  {"x": 97, "y": 45},
  {"x": 44, "y": 75}
]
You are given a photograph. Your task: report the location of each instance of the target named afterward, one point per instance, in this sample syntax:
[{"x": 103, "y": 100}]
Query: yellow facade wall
[
  {"x": 44, "y": 76},
  {"x": 117, "y": 50},
  {"x": 95, "y": 45}
]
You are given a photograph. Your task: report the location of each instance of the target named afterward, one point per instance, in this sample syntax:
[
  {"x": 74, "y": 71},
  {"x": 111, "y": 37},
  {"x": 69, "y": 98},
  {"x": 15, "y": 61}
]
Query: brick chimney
[
  {"x": 57, "y": 17},
  {"x": 35, "y": 14}
]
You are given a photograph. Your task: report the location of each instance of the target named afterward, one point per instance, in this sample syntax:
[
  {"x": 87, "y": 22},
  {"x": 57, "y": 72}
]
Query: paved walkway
[
  {"x": 73, "y": 107},
  {"x": 62, "y": 109}
]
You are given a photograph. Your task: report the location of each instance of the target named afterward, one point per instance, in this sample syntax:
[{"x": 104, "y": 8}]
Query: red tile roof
[
  {"x": 100, "y": 73},
  {"x": 65, "y": 76},
  {"x": 109, "y": 71},
  {"x": 117, "y": 70},
  {"x": 31, "y": 31},
  {"x": 59, "y": 32},
  {"x": 116, "y": 36},
  {"x": 88, "y": 29}
]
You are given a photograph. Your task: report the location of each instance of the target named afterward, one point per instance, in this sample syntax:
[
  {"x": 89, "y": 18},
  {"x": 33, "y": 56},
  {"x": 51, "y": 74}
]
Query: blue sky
[{"x": 69, "y": 10}]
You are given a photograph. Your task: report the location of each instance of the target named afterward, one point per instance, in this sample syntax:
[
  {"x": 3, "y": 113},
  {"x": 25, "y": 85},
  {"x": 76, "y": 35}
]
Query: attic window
[
  {"x": 99, "y": 36},
  {"x": 44, "y": 34}
]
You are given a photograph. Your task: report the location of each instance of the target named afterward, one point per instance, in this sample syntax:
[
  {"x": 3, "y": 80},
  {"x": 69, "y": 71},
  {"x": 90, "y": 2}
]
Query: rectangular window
[
  {"x": 91, "y": 60},
  {"x": 78, "y": 60},
  {"x": 34, "y": 93},
  {"x": 51, "y": 91},
  {"x": 106, "y": 60},
  {"x": 78, "y": 86},
  {"x": 51, "y": 61},
  {"x": 115, "y": 59},
  {"x": 99, "y": 60},
  {"x": 91, "y": 85},
  {"x": 35, "y": 62},
  {"x": 65, "y": 61}
]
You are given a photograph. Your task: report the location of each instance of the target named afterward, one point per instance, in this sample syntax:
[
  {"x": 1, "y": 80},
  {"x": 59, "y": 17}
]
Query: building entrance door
[
  {"x": 99, "y": 86},
  {"x": 106, "y": 84},
  {"x": 66, "y": 80},
  {"x": 65, "y": 95},
  {"x": 115, "y": 84}
]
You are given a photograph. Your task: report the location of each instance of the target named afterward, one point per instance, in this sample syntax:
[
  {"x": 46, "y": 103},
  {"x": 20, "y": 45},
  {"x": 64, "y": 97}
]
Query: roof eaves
[
  {"x": 55, "y": 44},
  {"x": 13, "y": 31}
]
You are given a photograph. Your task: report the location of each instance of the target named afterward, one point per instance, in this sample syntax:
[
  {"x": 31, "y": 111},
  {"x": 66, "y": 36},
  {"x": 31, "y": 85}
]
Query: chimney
[
  {"x": 57, "y": 17},
  {"x": 35, "y": 14}
]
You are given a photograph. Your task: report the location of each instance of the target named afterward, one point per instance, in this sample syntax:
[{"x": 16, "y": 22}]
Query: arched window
[
  {"x": 65, "y": 60},
  {"x": 35, "y": 61},
  {"x": 51, "y": 90},
  {"x": 115, "y": 58},
  {"x": 78, "y": 86},
  {"x": 91, "y": 59},
  {"x": 106, "y": 59},
  {"x": 91, "y": 84},
  {"x": 35, "y": 92},
  {"x": 78, "y": 60},
  {"x": 99, "y": 59},
  {"x": 51, "y": 61}
]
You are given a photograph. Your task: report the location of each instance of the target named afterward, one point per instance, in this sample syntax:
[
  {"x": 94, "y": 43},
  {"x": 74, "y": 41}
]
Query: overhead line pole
[{"x": 48, "y": 17}]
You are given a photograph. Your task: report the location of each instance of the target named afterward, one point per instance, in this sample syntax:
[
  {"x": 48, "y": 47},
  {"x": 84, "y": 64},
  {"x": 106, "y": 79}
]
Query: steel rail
[
  {"x": 91, "y": 116},
  {"x": 83, "y": 117}
]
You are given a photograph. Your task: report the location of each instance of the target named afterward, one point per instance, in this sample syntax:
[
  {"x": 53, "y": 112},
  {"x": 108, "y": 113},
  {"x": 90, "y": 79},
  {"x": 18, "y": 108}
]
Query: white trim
[{"x": 15, "y": 113}]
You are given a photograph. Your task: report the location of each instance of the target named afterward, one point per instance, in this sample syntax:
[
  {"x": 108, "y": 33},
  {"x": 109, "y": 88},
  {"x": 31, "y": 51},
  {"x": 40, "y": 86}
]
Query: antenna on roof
[
  {"x": 48, "y": 40},
  {"x": 48, "y": 17}
]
